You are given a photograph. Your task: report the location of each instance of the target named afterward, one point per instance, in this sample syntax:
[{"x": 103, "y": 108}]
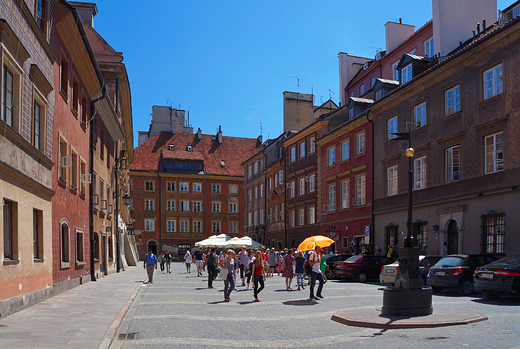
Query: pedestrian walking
[
  {"x": 323, "y": 267},
  {"x": 199, "y": 256},
  {"x": 249, "y": 267},
  {"x": 161, "y": 260},
  {"x": 150, "y": 262},
  {"x": 229, "y": 282},
  {"x": 211, "y": 264},
  {"x": 271, "y": 257},
  {"x": 258, "y": 274},
  {"x": 168, "y": 261},
  {"x": 279, "y": 260},
  {"x": 300, "y": 271},
  {"x": 241, "y": 260},
  {"x": 288, "y": 270},
  {"x": 314, "y": 261},
  {"x": 187, "y": 261}
]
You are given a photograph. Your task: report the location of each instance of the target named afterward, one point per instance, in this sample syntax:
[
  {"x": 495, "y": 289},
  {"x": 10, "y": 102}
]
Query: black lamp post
[
  {"x": 119, "y": 163},
  {"x": 408, "y": 297}
]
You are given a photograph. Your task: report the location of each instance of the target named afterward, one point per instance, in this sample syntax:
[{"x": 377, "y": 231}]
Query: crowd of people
[{"x": 244, "y": 265}]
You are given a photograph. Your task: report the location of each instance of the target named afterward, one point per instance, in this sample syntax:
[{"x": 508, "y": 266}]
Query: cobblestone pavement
[{"x": 178, "y": 311}]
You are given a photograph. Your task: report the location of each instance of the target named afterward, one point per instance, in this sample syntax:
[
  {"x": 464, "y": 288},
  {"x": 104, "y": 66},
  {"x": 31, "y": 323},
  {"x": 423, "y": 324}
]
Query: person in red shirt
[{"x": 258, "y": 274}]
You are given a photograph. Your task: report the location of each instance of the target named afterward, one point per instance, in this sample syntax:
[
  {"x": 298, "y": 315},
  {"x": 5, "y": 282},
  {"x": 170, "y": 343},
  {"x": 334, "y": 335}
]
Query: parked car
[
  {"x": 389, "y": 271},
  {"x": 501, "y": 277},
  {"x": 456, "y": 271},
  {"x": 361, "y": 268},
  {"x": 331, "y": 260}
]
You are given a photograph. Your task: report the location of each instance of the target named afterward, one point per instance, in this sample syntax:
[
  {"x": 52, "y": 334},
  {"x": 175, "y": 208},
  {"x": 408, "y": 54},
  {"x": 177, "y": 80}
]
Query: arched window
[
  {"x": 96, "y": 247},
  {"x": 65, "y": 244}
]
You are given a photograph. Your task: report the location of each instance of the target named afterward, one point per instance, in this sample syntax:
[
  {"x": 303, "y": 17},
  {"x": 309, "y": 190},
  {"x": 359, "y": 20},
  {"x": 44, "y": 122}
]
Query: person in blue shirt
[{"x": 150, "y": 262}]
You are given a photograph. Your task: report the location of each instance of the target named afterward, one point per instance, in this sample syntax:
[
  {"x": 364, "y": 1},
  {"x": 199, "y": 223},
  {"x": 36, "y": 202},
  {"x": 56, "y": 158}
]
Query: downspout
[
  {"x": 91, "y": 187},
  {"x": 284, "y": 194},
  {"x": 372, "y": 219}
]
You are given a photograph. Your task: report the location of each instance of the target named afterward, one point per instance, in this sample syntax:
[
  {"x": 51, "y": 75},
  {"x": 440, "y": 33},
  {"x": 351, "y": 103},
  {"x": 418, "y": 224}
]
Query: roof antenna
[{"x": 330, "y": 94}]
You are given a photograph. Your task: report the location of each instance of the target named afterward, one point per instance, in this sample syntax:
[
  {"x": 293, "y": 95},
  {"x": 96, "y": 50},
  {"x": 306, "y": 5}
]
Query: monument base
[{"x": 407, "y": 302}]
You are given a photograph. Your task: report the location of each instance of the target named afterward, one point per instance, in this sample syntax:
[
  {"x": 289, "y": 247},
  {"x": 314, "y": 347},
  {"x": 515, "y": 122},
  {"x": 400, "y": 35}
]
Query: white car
[{"x": 389, "y": 271}]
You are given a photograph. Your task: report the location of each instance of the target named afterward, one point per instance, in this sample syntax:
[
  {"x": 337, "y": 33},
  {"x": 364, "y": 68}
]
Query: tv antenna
[
  {"x": 331, "y": 93},
  {"x": 261, "y": 131},
  {"x": 299, "y": 79}
]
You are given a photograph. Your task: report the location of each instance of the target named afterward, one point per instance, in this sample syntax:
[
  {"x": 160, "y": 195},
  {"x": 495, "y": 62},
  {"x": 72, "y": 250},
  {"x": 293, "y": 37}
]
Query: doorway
[
  {"x": 104, "y": 261},
  {"x": 153, "y": 246},
  {"x": 453, "y": 238}
]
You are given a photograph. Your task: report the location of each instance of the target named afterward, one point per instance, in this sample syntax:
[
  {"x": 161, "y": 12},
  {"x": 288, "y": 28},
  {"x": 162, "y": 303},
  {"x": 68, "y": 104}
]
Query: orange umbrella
[{"x": 317, "y": 240}]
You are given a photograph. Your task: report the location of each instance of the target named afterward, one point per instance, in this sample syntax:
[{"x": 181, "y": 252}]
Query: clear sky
[{"x": 227, "y": 62}]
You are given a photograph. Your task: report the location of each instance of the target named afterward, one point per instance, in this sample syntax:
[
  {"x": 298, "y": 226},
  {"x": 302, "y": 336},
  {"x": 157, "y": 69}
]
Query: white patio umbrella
[
  {"x": 214, "y": 241},
  {"x": 244, "y": 241}
]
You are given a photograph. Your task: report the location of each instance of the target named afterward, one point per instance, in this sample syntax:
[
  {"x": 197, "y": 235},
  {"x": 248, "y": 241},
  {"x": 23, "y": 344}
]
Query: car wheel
[
  {"x": 465, "y": 287},
  {"x": 436, "y": 289},
  {"x": 330, "y": 275},
  {"x": 491, "y": 295},
  {"x": 362, "y": 277}
]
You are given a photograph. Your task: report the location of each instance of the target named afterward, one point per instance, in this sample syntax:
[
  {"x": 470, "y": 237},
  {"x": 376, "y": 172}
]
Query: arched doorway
[
  {"x": 453, "y": 238},
  {"x": 152, "y": 245}
]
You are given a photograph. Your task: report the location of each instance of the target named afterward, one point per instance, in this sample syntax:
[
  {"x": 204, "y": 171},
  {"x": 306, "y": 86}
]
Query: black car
[
  {"x": 501, "y": 277},
  {"x": 331, "y": 260},
  {"x": 456, "y": 271},
  {"x": 361, "y": 267}
]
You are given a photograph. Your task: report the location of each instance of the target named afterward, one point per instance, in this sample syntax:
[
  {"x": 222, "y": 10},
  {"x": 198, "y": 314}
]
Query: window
[
  {"x": 39, "y": 14},
  {"x": 38, "y": 126},
  {"x": 233, "y": 189},
  {"x": 345, "y": 148},
  {"x": 516, "y": 11},
  {"x": 280, "y": 177},
  {"x": 291, "y": 191},
  {"x": 185, "y": 206},
  {"x": 332, "y": 197},
  {"x": 360, "y": 143},
  {"x": 494, "y": 152},
  {"x": 276, "y": 180},
  {"x": 293, "y": 218},
  {"x": 372, "y": 81},
  {"x": 428, "y": 48},
  {"x": 170, "y": 186},
  {"x": 351, "y": 113},
  {"x": 148, "y": 205},
  {"x": 84, "y": 112},
  {"x": 395, "y": 71},
  {"x": 183, "y": 186},
  {"x": 332, "y": 156},
  {"x": 215, "y": 188},
  {"x": 361, "y": 190},
  {"x": 452, "y": 156},
  {"x": 261, "y": 190},
  {"x": 249, "y": 171},
  {"x": 406, "y": 74},
  {"x": 345, "y": 194},
  {"x": 302, "y": 150},
  {"x": 379, "y": 94},
  {"x": 215, "y": 227},
  {"x": 493, "y": 81},
  {"x": 9, "y": 226},
  {"x": 256, "y": 193},
  {"x": 420, "y": 232},
  {"x": 261, "y": 216},
  {"x": 452, "y": 100},
  {"x": 270, "y": 217},
  {"x": 170, "y": 226},
  {"x": 494, "y": 233},
  {"x": 215, "y": 207},
  {"x": 249, "y": 194},
  {"x": 419, "y": 171},
  {"x": 270, "y": 183},
  {"x": 312, "y": 216},
  {"x": 37, "y": 234},
  {"x": 185, "y": 226},
  {"x": 64, "y": 74},
  {"x": 197, "y": 206},
  {"x": 361, "y": 89},
  {"x": 420, "y": 115},
  {"x": 233, "y": 227},
  {"x": 255, "y": 217},
  {"x": 282, "y": 212},
  {"x": 276, "y": 213},
  {"x": 170, "y": 205},
  {"x": 80, "y": 247},
  {"x": 149, "y": 225},
  {"x": 249, "y": 219},
  {"x": 293, "y": 154},
  {"x": 75, "y": 96},
  {"x": 197, "y": 226},
  {"x": 74, "y": 170},
  {"x": 312, "y": 183},
  {"x": 255, "y": 168},
  {"x": 65, "y": 245},
  {"x": 148, "y": 185},
  {"x": 233, "y": 208},
  {"x": 64, "y": 159},
  {"x": 302, "y": 186},
  {"x": 302, "y": 216},
  {"x": 391, "y": 126},
  {"x": 312, "y": 145},
  {"x": 391, "y": 180},
  {"x": 83, "y": 172}
]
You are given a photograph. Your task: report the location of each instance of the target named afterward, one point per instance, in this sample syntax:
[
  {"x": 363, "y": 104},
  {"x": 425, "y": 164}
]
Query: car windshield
[
  {"x": 353, "y": 259},
  {"x": 506, "y": 262},
  {"x": 450, "y": 262}
]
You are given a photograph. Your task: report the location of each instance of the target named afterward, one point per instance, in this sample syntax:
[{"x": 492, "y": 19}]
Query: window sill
[
  {"x": 449, "y": 116},
  {"x": 38, "y": 260},
  {"x": 65, "y": 265},
  {"x": 64, "y": 95},
  {"x": 11, "y": 262},
  {"x": 80, "y": 263},
  {"x": 491, "y": 98}
]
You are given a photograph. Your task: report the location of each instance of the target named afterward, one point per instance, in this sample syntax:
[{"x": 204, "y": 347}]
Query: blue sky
[{"x": 228, "y": 62}]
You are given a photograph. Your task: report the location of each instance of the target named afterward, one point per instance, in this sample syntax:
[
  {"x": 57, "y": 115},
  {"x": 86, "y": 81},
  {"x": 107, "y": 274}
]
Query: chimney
[
  {"x": 219, "y": 135},
  {"x": 199, "y": 134},
  {"x": 396, "y": 33},
  {"x": 86, "y": 10},
  {"x": 259, "y": 140}
]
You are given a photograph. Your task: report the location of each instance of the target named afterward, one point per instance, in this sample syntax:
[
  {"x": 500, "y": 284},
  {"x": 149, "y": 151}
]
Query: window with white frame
[
  {"x": 312, "y": 145},
  {"x": 255, "y": 218},
  {"x": 302, "y": 216},
  {"x": 233, "y": 207},
  {"x": 452, "y": 100},
  {"x": 420, "y": 115},
  {"x": 255, "y": 168},
  {"x": 282, "y": 213},
  {"x": 197, "y": 226},
  {"x": 262, "y": 216},
  {"x": 215, "y": 207},
  {"x": 302, "y": 150},
  {"x": 453, "y": 163},
  {"x": 312, "y": 183},
  {"x": 516, "y": 11},
  {"x": 360, "y": 143},
  {"x": 406, "y": 74},
  {"x": 185, "y": 205},
  {"x": 65, "y": 244},
  {"x": 391, "y": 180},
  {"x": 276, "y": 180},
  {"x": 293, "y": 154},
  {"x": 395, "y": 71},
  {"x": 233, "y": 227},
  {"x": 361, "y": 89},
  {"x": 249, "y": 171},
  {"x": 197, "y": 206},
  {"x": 215, "y": 188},
  {"x": 351, "y": 113},
  {"x": 183, "y": 186},
  {"x": 261, "y": 190},
  {"x": 197, "y": 187},
  {"x": 256, "y": 193},
  {"x": 215, "y": 226},
  {"x": 270, "y": 216},
  {"x": 372, "y": 81},
  {"x": 494, "y": 233},
  {"x": 379, "y": 94},
  {"x": 494, "y": 148},
  {"x": 345, "y": 150},
  {"x": 280, "y": 177},
  {"x": 493, "y": 81},
  {"x": 170, "y": 205},
  {"x": 250, "y": 195},
  {"x": 391, "y": 126},
  {"x": 170, "y": 186},
  {"x": 302, "y": 186},
  {"x": 270, "y": 183},
  {"x": 332, "y": 197},
  {"x": 233, "y": 189},
  {"x": 361, "y": 190},
  {"x": 276, "y": 213},
  {"x": 293, "y": 218},
  {"x": 419, "y": 172},
  {"x": 312, "y": 215},
  {"x": 185, "y": 226},
  {"x": 331, "y": 156},
  {"x": 170, "y": 226},
  {"x": 148, "y": 185},
  {"x": 345, "y": 194},
  {"x": 149, "y": 225},
  {"x": 148, "y": 205},
  {"x": 250, "y": 219},
  {"x": 291, "y": 189},
  {"x": 11, "y": 87},
  {"x": 428, "y": 48}
]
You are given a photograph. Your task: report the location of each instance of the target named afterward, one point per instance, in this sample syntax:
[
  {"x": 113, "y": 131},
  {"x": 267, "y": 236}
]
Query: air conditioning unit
[
  {"x": 95, "y": 199},
  {"x": 326, "y": 208},
  {"x": 65, "y": 161},
  {"x": 356, "y": 201},
  {"x": 309, "y": 179},
  {"x": 109, "y": 209},
  {"x": 86, "y": 178}
]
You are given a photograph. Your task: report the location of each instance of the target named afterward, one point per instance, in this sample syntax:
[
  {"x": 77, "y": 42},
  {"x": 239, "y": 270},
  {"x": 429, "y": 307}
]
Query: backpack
[{"x": 307, "y": 267}]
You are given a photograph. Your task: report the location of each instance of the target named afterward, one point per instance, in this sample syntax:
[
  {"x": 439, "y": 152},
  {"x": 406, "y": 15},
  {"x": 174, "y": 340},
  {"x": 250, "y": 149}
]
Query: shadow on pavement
[{"x": 300, "y": 302}]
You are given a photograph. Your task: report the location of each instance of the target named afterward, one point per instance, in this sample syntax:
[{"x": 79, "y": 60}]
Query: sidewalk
[{"x": 84, "y": 317}]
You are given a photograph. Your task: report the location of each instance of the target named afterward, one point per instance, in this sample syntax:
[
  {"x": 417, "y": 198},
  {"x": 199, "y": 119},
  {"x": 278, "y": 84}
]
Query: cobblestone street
[{"x": 179, "y": 311}]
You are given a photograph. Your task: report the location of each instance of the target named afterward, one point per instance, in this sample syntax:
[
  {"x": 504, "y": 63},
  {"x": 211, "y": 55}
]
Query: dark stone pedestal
[{"x": 407, "y": 302}]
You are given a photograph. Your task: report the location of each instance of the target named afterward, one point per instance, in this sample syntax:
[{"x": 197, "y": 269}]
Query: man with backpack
[
  {"x": 210, "y": 262},
  {"x": 314, "y": 261}
]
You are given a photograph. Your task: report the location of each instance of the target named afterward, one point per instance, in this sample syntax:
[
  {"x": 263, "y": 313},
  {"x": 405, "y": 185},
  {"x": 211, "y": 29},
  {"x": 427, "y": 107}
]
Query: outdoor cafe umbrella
[
  {"x": 214, "y": 241},
  {"x": 312, "y": 241},
  {"x": 244, "y": 241}
]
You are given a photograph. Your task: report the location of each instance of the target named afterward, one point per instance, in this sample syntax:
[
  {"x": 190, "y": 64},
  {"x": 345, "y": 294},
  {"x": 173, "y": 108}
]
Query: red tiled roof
[{"x": 233, "y": 151}]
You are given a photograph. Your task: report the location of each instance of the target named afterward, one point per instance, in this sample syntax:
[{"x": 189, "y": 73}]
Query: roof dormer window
[
  {"x": 171, "y": 147},
  {"x": 406, "y": 74},
  {"x": 188, "y": 147}
]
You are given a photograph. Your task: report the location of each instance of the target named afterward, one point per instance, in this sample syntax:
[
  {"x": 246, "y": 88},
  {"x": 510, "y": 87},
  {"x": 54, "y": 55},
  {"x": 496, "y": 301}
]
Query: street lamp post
[
  {"x": 119, "y": 162},
  {"x": 408, "y": 297}
]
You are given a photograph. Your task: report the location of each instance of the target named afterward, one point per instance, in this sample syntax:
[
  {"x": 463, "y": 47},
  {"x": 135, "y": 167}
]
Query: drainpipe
[
  {"x": 285, "y": 195},
  {"x": 372, "y": 219}
]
